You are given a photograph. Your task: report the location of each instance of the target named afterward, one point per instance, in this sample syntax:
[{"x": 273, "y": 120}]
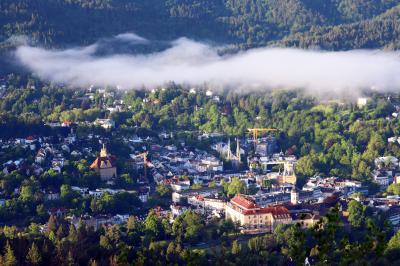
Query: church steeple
[
  {"x": 103, "y": 152},
  {"x": 229, "y": 150},
  {"x": 238, "y": 150}
]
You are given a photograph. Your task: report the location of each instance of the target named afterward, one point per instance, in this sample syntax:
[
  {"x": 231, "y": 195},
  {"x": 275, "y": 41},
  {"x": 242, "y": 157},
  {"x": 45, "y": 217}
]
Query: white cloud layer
[{"x": 193, "y": 63}]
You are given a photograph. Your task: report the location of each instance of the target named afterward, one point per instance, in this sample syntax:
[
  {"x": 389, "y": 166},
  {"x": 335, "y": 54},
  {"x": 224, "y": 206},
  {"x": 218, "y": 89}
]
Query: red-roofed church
[{"x": 105, "y": 165}]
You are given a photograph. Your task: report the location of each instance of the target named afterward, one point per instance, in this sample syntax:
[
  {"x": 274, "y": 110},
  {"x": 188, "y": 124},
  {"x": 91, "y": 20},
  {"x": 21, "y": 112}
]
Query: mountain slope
[
  {"x": 331, "y": 24},
  {"x": 381, "y": 31}
]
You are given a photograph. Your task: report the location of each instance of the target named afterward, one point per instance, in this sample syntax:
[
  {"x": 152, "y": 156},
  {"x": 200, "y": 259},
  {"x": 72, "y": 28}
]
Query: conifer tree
[
  {"x": 72, "y": 235},
  {"x": 33, "y": 257},
  {"x": 70, "y": 259},
  {"x": 236, "y": 247},
  {"x": 51, "y": 224},
  {"x": 9, "y": 258}
]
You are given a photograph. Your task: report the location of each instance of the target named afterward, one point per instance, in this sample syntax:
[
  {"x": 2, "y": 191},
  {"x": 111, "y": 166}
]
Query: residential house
[{"x": 105, "y": 123}]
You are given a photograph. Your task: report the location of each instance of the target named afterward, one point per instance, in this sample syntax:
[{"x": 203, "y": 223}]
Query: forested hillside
[
  {"x": 332, "y": 24},
  {"x": 381, "y": 31}
]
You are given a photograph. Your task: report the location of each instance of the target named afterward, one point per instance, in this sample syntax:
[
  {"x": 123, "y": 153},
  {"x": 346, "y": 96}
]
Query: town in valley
[
  {"x": 100, "y": 163},
  {"x": 199, "y": 132}
]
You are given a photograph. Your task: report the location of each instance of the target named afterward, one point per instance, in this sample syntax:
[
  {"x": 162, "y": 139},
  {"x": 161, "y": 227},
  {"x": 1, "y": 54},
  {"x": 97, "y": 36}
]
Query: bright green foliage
[
  {"x": 188, "y": 226},
  {"x": 394, "y": 244},
  {"x": 236, "y": 248},
  {"x": 9, "y": 258},
  {"x": 356, "y": 212},
  {"x": 394, "y": 189},
  {"x": 153, "y": 226},
  {"x": 236, "y": 186}
]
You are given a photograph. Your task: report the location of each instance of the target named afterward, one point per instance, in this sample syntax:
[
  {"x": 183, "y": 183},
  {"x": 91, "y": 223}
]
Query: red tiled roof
[
  {"x": 250, "y": 208},
  {"x": 332, "y": 199},
  {"x": 167, "y": 181},
  {"x": 277, "y": 211},
  {"x": 96, "y": 164},
  {"x": 200, "y": 197},
  {"x": 243, "y": 202}
]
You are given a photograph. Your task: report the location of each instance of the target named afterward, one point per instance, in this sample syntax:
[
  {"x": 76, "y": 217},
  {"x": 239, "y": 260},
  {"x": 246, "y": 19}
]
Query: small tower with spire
[{"x": 103, "y": 151}]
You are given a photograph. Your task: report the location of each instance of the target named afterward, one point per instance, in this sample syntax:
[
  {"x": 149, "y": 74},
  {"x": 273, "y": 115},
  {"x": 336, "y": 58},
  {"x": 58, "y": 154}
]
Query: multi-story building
[
  {"x": 382, "y": 178},
  {"x": 253, "y": 218},
  {"x": 301, "y": 196},
  {"x": 183, "y": 196},
  {"x": 267, "y": 146},
  {"x": 271, "y": 198}
]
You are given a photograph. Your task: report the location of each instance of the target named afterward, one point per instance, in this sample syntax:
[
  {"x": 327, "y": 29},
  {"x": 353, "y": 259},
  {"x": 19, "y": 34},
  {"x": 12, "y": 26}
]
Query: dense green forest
[
  {"x": 333, "y": 24},
  {"x": 154, "y": 241},
  {"x": 381, "y": 31}
]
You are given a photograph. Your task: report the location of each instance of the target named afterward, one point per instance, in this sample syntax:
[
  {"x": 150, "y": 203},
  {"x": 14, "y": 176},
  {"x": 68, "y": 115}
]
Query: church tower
[
  {"x": 294, "y": 196},
  {"x": 228, "y": 155},
  {"x": 238, "y": 156},
  {"x": 105, "y": 165}
]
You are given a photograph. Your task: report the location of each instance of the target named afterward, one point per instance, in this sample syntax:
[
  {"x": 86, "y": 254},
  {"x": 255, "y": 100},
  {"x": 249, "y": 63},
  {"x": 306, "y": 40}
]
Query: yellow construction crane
[
  {"x": 144, "y": 155},
  {"x": 255, "y": 132}
]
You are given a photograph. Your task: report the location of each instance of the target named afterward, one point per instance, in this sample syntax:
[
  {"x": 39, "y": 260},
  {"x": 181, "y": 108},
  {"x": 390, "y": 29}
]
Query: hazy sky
[{"x": 193, "y": 63}]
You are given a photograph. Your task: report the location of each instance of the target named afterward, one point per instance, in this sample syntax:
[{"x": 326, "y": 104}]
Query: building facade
[{"x": 253, "y": 218}]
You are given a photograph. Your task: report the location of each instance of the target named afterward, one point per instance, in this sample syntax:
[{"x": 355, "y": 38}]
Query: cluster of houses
[
  {"x": 277, "y": 200},
  {"x": 386, "y": 171},
  {"x": 97, "y": 193},
  {"x": 281, "y": 203},
  {"x": 170, "y": 161},
  {"x": 105, "y": 123},
  {"x": 47, "y": 154},
  {"x": 96, "y": 222},
  {"x": 196, "y": 178}
]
